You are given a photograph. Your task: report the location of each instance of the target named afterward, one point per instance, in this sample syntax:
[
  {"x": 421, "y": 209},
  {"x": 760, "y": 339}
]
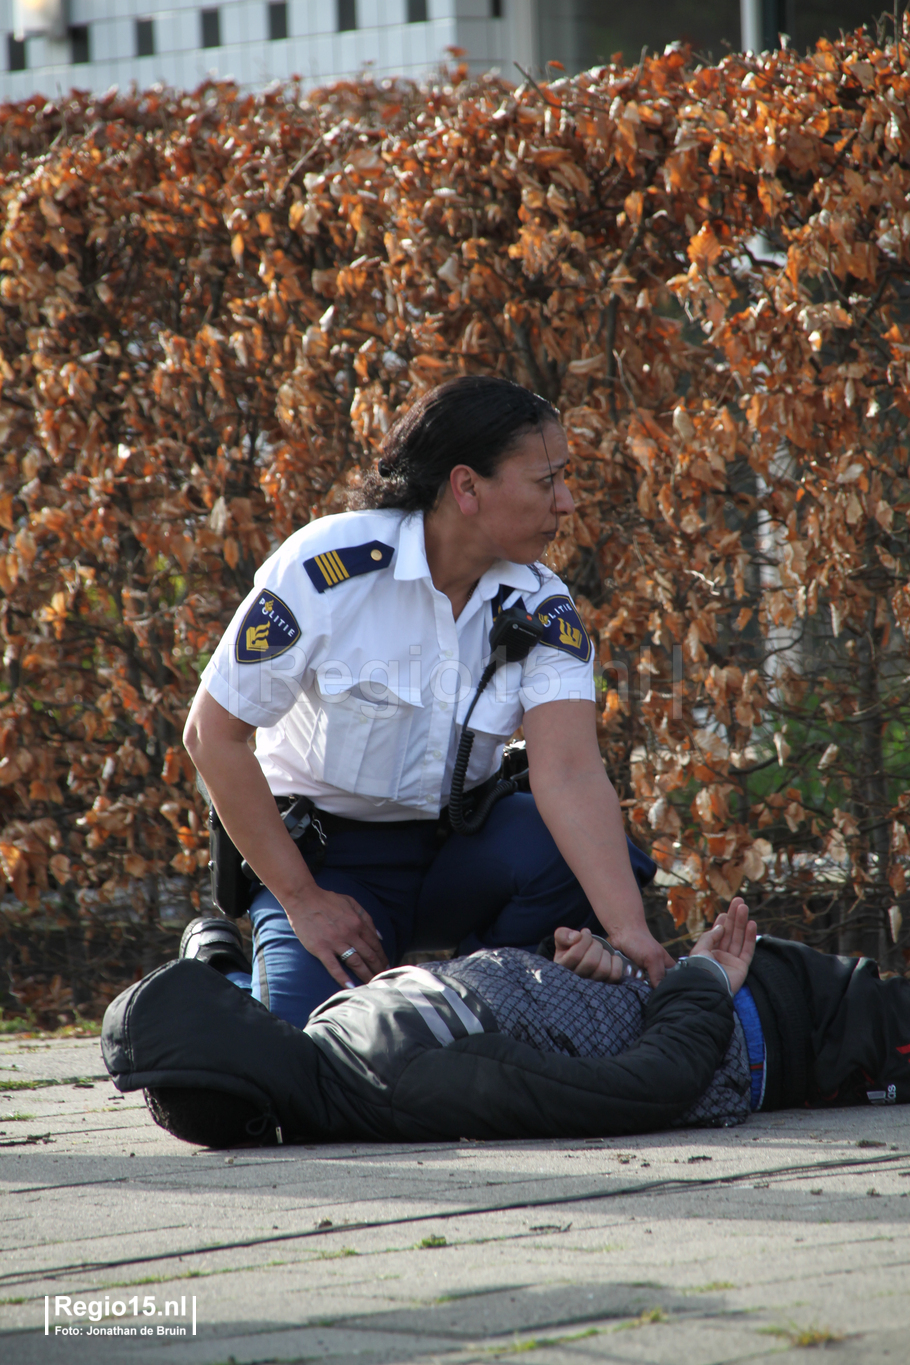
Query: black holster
[
  {"x": 234, "y": 883},
  {"x": 232, "y": 891}
]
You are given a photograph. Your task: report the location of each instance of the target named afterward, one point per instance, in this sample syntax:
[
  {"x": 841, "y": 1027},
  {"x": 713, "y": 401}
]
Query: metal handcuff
[{"x": 630, "y": 971}]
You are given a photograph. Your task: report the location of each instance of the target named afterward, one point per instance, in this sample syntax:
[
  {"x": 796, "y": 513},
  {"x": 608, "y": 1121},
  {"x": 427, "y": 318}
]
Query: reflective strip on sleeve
[
  {"x": 430, "y": 983},
  {"x": 430, "y": 1016}
]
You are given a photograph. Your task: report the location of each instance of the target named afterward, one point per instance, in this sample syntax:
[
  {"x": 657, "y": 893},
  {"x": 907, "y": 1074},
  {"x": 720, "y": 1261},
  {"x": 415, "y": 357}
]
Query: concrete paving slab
[{"x": 695, "y": 1247}]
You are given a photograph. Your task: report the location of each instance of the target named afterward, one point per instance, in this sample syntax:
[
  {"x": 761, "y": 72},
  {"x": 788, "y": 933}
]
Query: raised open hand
[{"x": 731, "y": 942}]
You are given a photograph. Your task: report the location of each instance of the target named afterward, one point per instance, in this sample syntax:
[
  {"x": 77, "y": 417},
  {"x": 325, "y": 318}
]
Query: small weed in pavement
[
  {"x": 540, "y": 1343},
  {"x": 649, "y": 1315},
  {"x": 803, "y": 1336}
]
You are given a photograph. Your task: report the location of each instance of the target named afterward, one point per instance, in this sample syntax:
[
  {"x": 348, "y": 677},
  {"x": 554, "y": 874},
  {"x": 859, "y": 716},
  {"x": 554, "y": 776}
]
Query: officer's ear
[{"x": 463, "y": 486}]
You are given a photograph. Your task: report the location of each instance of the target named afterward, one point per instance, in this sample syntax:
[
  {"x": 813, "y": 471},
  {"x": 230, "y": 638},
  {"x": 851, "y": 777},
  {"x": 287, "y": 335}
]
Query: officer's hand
[
  {"x": 580, "y": 951},
  {"x": 328, "y": 924},
  {"x": 644, "y": 951}
]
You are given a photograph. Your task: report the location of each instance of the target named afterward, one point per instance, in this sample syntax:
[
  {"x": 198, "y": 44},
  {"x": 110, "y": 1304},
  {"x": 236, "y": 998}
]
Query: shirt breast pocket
[{"x": 367, "y": 743}]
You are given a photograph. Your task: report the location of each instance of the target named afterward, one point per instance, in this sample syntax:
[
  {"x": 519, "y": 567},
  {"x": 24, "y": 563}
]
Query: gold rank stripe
[
  {"x": 333, "y": 571},
  {"x": 340, "y": 569}
]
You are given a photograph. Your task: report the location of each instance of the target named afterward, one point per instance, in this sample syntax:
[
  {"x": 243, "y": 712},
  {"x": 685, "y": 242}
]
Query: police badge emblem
[
  {"x": 563, "y": 629},
  {"x": 268, "y": 629}
]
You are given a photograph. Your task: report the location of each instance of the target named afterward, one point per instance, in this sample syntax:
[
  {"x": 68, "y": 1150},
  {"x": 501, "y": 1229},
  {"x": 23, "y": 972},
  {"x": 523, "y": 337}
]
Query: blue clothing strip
[{"x": 744, "y": 1004}]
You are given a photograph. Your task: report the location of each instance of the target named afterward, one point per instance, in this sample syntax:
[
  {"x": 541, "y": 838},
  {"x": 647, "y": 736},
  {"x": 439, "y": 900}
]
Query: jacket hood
[{"x": 186, "y": 1025}]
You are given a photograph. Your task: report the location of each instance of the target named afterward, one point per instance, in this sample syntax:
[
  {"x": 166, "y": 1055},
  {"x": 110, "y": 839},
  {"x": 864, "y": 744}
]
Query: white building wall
[{"x": 383, "y": 43}]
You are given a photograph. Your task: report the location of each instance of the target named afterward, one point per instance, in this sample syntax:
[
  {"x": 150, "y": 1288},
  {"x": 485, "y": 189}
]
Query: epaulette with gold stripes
[{"x": 335, "y": 566}]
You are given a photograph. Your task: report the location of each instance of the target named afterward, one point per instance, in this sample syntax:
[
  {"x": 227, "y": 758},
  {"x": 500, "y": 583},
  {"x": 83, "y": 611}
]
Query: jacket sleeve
[{"x": 491, "y": 1086}]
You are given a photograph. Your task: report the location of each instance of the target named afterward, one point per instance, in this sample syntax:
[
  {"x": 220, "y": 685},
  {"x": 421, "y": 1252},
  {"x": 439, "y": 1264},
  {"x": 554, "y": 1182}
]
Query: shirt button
[
  {"x": 443, "y": 706},
  {"x": 447, "y": 653},
  {"x": 437, "y": 754}
]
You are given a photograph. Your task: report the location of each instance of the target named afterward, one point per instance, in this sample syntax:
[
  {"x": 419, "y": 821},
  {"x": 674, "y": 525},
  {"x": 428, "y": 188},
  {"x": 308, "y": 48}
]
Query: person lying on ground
[{"x": 506, "y": 1044}]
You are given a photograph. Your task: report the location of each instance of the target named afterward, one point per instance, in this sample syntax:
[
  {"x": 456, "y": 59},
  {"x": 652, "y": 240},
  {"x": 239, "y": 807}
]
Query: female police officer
[{"x": 355, "y": 659}]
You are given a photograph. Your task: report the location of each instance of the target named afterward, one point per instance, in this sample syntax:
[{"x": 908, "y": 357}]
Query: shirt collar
[
  {"x": 411, "y": 562},
  {"x": 504, "y": 572}
]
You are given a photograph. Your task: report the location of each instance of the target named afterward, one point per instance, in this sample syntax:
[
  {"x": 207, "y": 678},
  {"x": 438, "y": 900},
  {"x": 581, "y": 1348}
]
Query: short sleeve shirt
[{"x": 349, "y": 662}]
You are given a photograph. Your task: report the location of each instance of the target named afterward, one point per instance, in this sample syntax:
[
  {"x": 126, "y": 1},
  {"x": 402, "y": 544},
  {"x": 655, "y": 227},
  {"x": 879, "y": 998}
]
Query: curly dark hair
[
  {"x": 473, "y": 420},
  {"x": 209, "y": 1118}
]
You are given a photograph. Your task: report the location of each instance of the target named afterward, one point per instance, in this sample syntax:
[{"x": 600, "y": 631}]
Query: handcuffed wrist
[
  {"x": 708, "y": 964},
  {"x": 629, "y": 968}
]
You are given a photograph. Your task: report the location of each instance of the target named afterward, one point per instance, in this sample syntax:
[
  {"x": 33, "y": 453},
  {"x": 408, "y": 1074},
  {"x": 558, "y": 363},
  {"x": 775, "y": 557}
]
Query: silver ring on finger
[{"x": 348, "y": 952}]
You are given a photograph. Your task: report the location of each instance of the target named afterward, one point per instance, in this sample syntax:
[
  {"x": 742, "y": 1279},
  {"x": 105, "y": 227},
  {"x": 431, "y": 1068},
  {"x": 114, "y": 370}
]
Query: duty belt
[{"x": 306, "y": 815}]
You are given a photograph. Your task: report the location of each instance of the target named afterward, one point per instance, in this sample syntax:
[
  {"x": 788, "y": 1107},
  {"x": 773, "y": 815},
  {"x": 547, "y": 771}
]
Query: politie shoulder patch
[
  {"x": 562, "y": 628},
  {"x": 268, "y": 629}
]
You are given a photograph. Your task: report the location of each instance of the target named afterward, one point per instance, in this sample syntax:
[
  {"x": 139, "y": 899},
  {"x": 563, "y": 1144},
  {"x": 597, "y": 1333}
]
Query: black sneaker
[{"x": 217, "y": 942}]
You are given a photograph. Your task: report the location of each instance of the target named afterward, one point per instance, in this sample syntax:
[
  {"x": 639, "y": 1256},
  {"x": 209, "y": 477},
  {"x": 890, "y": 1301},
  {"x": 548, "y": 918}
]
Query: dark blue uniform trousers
[{"x": 506, "y": 886}]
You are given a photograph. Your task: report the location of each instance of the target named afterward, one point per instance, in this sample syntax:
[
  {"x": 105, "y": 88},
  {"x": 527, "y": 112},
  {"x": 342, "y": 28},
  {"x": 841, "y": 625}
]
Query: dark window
[
  {"x": 278, "y": 21},
  {"x": 15, "y": 53},
  {"x": 495, "y": 9},
  {"x": 775, "y": 20},
  {"x": 585, "y": 33},
  {"x": 145, "y": 38},
  {"x": 211, "y": 27},
  {"x": 347, "y": 15},
  {"x": 417, "y": 11},
  {"x": 79, "y": 49}
]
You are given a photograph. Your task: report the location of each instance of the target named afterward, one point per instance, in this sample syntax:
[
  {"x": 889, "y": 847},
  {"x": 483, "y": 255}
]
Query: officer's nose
[{"x": 565, "y": 503}]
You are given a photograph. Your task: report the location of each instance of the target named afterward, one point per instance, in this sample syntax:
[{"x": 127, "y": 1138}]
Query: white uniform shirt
[{"x": 358, "y": 690}]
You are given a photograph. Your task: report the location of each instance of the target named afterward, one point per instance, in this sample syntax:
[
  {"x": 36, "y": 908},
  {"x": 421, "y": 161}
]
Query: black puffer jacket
[{"x": 369, "y": 1067}]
